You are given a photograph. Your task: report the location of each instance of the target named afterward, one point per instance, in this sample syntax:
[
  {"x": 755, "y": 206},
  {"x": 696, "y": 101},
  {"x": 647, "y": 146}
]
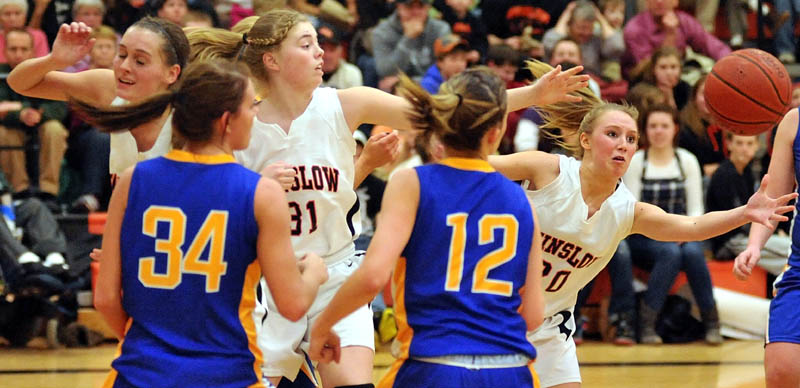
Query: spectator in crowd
[
  {"x": 12, "y": 16},
  {"x": 90, "y": 12},
  {"x": 28, "y": 221},
  {"x": 670, "y": 178},
  {"x": 731, "y": 185},
  {"x": 504, "y": 61},
  {"x": 663, "y": 70},
  {"x": 404, "y": 41},
  {"x": 577, "y": 22},
  {"x": 662, "y": 25},
  {"x": 337, "y": 72},
  {"x": 452, "y": 53},
  {"x": 567, "y": 53},
  {"x": 24, "y": 118},
  {"x": 172, "y": 10},
  {"x": 124, "y": 13},
  {"x": 197, "y": 18},
  {"x": 341, "y": 12},
  {"x": 644, "y": 95},
  {"x": 698, "y": 135},
  {"x": 49, "y": 15},
  {"x": 785, "y": 40},
  {"x": 614, "y": 12},
  {"x": 507, "y": 20},
  {"x": 464, "y": 22}
]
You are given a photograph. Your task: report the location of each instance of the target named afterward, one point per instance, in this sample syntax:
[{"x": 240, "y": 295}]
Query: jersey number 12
[{"x": 481, "y": 283}]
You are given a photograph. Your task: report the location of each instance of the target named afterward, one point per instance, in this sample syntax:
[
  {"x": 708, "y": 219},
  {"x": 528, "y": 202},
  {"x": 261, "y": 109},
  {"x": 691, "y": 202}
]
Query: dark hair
[
  {"x": 658, "y": 108},
  {"x": 691, "y": 115},
  {"x": 467, "y": 105},
  {"x": 176, "y": 47},
  {"x": 502, "y": 54},
  {"x": 208, "y": 89}
]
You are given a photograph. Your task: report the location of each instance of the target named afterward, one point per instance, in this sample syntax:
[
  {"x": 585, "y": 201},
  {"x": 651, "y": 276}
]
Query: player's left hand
[
  {"x": 764, "y": 210},
  {"x": 745, "y": 261},
  {"x": 556, "y": 85},
  {"x": 325, "y": 346}
]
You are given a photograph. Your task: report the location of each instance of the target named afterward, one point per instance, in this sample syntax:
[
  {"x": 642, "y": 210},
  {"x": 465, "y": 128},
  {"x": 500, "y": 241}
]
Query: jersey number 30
[
  {"x": 211, "y": 233},
  {"x": 481, "y": 283}
]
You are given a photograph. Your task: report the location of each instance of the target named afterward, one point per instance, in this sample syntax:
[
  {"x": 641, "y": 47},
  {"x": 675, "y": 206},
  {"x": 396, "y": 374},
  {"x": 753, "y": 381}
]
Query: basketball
[{"x": 748, "y": 92}]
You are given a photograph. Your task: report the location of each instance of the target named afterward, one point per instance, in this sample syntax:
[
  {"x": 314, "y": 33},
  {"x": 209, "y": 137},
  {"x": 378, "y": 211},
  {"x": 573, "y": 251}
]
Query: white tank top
[
  {"x": 575, "y": 249},
  {"x": 323, "y": 206},
  {"x": 124, "y": 152}
]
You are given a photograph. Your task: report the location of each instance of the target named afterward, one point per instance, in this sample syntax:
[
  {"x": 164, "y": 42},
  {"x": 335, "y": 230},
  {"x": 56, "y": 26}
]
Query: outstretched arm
[
  {"x": 396, "y": 220},
  {"x": 540, "y": 168},
  {"x": 657, "y": 224},
  {"x": 369, "y": 105},
  {"x": 41, "y": 78}
]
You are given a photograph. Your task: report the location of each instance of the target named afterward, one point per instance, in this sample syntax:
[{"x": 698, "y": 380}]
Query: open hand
[
  {"x": 556, "y": 85},
  {"x": 72, "y": 43},
  {"x": 765, "y": 210}
]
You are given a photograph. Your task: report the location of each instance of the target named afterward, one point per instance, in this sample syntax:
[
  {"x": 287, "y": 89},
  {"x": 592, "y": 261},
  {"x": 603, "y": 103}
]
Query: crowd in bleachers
[{"x": 651, "y": 53}]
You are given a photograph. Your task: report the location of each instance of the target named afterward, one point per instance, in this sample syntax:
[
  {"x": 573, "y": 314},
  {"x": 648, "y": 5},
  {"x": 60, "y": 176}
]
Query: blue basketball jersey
[
  {"x": 794, "y": 257},
  {"x": 457, "y": 287},
  {"x": 189, "y": 275}
]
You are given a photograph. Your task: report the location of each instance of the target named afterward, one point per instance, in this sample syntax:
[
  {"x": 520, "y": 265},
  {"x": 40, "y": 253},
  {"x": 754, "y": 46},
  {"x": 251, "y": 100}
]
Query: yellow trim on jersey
[
  {"x": 183, "y": 156},
  {"x": 111, "y": 378},
  {"x": 467, "y": 164},
  {"x": 387, "y": 381},
  {"x": 246, "y": 307},
  {"x": 536, "y": 382},
  {"x": 404, "y": 332}
]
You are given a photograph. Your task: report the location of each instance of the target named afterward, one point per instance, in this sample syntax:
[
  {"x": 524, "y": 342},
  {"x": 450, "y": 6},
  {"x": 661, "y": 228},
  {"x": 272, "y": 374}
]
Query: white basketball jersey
[
  {"x": 575, "y": 249},
  {"x": 325, "y": 217},
  {"x": 124, "y": 151}
]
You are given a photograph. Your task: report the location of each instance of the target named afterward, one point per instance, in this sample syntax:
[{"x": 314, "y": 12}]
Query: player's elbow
[
  {"x": 106, "y": 302},
  {"x": 295, "y": 307}
]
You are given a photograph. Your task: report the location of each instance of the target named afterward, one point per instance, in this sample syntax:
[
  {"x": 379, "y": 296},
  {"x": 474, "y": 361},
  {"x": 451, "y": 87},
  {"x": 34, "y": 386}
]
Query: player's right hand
[
  {"x": 73, "y": 42},
  {"x": 313, "y": 264},
  {"x": 743, "y": 266},
  {"x": 324, "y": 345},
  {"x": 281, "y": 172}
]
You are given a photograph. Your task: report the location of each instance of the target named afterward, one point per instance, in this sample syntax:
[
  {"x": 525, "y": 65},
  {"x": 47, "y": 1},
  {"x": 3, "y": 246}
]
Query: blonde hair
[
  {"x": 574, "y": 117},
  {"x": 104, "y": 32},
  {"x": 264, "y": 34},
  {"x": 466, "y": 107}
]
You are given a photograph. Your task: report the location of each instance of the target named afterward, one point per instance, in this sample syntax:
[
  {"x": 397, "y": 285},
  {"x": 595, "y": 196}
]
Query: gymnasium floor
[{"x": 735, "y": 364}]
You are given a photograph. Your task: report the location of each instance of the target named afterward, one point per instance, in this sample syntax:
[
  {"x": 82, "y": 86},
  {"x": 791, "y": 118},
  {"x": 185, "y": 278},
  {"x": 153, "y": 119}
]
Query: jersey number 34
[{"x": 211, "y": 234}]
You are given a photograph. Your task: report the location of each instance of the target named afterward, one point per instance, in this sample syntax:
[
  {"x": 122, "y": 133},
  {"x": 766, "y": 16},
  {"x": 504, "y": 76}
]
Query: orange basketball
[{"x": 748, "y": 92}]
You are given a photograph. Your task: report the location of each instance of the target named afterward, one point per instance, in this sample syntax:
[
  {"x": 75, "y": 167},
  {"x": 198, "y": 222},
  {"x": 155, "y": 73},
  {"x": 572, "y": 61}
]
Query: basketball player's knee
[
  {"x": 782, "y": 374},
  {"x": 357, "y": 386}
]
